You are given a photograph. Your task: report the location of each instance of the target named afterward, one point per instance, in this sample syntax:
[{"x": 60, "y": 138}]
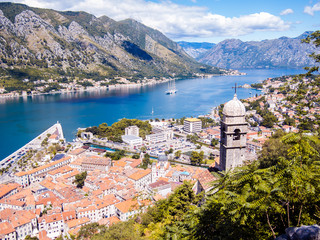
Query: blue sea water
[{"x": 24, "y": 118}]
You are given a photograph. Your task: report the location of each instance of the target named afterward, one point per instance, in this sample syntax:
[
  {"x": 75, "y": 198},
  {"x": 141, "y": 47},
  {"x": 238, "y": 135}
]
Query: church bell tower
[{"x": 233, "y": 138}]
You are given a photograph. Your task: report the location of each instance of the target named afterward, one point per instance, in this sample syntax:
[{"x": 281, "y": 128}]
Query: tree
[
  {"x": 196, "y": 157},
  {"x": 172, "y": 218},
  {"x": 313, "y": 38},
  {"x": 145, "y": 161},
  {"x": 116, "y": 155},
  {"x": 143, "y": 149},
  {"x": 289, "y": 121},
  {"x": 192, "y": 138},
  {"x": 79, "y": 179},
  {"x": 260, "y": 201},
  {"x": 122, "y": 230},
  {"x": 28, "y": 237},
  {"x": 214, "y": 142},
  {"x": 177, "y": 154},
  {"x": 269, "y": 120},
  {"x": 88, "y": 230}
]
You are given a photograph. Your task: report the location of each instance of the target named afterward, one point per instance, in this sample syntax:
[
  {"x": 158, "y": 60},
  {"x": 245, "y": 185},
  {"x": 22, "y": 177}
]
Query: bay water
[{"x": 24, "y": 118}]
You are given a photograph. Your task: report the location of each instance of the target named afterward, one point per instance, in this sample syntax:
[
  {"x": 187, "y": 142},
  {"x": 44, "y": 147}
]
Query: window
[{"x": 236, "y": 135}]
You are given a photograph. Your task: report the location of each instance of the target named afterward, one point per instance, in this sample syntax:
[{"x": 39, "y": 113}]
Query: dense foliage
[
  {"x": 257, "y": 201},
  {"x": 79, "y": 179},
  {"x": 117, "y": 129},
  {"x": 314, "y": 38}
]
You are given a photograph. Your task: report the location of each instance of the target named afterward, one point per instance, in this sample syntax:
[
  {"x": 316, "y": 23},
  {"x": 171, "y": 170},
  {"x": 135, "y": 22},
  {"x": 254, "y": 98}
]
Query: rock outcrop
[
  {"x": 301, "y": 233},
  {"x": 78, "y": 43}
]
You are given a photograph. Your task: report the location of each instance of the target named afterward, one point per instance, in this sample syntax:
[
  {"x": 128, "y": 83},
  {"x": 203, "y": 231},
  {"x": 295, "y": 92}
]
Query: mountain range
[
  {"x": 44, "y": 43},
  {"x": 283, "y": 52}
]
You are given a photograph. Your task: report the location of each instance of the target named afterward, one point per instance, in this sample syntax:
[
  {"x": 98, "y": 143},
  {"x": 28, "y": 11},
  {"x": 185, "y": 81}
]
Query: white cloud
[
  {"x": 176, "y": 21},
  {"x": 311, "y": 9},
  {"x": 286, "y": 11}
]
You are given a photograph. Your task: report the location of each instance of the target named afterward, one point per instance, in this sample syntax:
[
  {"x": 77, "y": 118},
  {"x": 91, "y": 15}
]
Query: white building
[
  {"x": 132, "y": 140},
  {"x": 90, "y": 212},
  {"x": 132, "y": 130},
  {"x": 160, "y": 137},
  {"x": 23, "y": 228},
  {"x": 141, "y": 178},
  {"x": 192, "y": 125},
  {"x": 39, "y": 173},
  {"x": 126, "y": 209},
  {"x": 160, "y": 187},
  {"x": 53, "y": 224}
]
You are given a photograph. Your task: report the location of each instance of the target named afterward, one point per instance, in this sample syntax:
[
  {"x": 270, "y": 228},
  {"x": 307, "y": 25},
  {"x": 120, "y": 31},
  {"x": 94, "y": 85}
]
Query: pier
[{"x": 55, "y": 130}]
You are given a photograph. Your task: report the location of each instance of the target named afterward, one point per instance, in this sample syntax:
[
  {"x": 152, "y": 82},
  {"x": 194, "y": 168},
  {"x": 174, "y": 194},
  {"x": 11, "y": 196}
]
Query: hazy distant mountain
[
  {"x": 45, "y": 43},
  {"x": 277, "y": 53},
  {"x": 195, "y": 49}
]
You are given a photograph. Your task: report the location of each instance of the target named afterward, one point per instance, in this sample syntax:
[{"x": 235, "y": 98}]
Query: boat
[{"x": 171, "y": 87}]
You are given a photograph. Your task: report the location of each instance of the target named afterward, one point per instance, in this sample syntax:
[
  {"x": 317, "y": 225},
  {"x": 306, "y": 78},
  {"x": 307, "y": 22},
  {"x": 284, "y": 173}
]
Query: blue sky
[{"x": 205, "y": 20}]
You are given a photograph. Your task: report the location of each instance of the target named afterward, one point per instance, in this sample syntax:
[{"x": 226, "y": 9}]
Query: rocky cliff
[
  {"x": 196, "y": 49},
  {"x": 277, "y": 53},
  {"x": 45, "y": 43}
]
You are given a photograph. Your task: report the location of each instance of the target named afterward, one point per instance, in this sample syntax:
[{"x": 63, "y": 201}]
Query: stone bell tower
[{"x": 233, "y": 138}]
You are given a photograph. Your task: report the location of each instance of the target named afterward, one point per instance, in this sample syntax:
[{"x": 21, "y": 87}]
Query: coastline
[{"x": 124, "y": 84}]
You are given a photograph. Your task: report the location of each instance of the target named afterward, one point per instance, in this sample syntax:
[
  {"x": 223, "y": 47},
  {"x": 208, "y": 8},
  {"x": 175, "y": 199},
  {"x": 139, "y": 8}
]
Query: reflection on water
[
  {"x": 121, "y": 91},
  {"x": 21, "y": 119}
]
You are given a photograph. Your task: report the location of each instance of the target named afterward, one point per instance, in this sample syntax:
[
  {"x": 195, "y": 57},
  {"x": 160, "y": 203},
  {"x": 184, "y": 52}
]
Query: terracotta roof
[
  {"x": 107, "y": 201},
  {"x": 77, "y": 151},
  {"x": 61, "y": 170},
  {"x": 109, "y": 221},
  {"x": 140, "y": 174},
  {"x": 43, "y": 235},
  {"x": 19, "y": 174},
  {"x": 53, "y": 136},
  {"x": 119, "y": 163},
  {"x": 164, "y": 179},
  {"x": 5, "y": 228},
  {"x": 87, "y": 209},
  {"x": 6, "y": 188},
  {"x": 206, "y": 178},
  {"x": 12, "y": 202},
  {"x": 135, "y": 163},
  {"x": 16, "y": 222},
  {"x": 127, "y": 206},
  {"x": 77, "y": 222},
  {"x": 159, "y": 183},
  {"x": 51, "y": 218},
  {"x": 94, "y": 160},
  {"x": 68, "y": 215}
]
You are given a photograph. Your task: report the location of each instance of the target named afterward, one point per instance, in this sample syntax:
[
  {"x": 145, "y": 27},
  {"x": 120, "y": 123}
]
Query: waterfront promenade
[{"x": 55, "y": 131}]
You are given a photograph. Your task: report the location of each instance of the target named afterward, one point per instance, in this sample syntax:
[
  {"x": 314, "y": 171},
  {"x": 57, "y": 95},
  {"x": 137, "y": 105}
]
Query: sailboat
[
  {"x": 171, "y": 87},
  {"x": 152, "y": 111}
]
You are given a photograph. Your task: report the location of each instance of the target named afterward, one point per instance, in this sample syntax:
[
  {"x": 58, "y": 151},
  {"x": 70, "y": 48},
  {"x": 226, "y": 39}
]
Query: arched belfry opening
[{"x": 236, "y": 135}]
